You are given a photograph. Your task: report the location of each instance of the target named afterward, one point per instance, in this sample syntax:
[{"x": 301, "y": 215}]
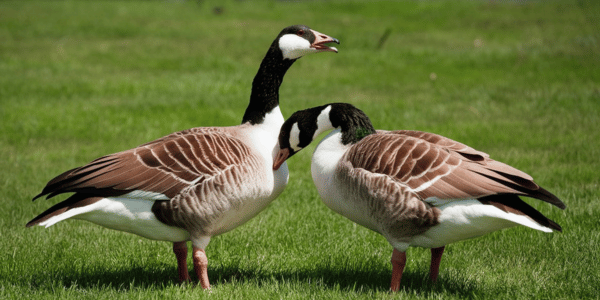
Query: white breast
[
  {"x": 324, "y": 162},
  {"x": 262, "y": 140},
  {"x": 324, "y": 165}
]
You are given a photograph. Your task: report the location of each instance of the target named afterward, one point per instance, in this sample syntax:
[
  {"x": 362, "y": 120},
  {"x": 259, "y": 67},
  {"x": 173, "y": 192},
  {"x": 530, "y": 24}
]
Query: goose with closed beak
[
  {"x": 415, "y": 188},
  {"x": 193, "y": 184}
]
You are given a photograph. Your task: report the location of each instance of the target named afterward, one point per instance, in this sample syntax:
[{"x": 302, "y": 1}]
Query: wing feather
[
  {"x": 165, "y": 166},
  {"x": 433, "y": 166}
]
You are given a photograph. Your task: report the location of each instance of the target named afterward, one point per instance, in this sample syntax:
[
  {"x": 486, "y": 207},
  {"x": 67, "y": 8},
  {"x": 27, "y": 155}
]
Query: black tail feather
[
  {"x": 76, "y": 200},
  {"x": 539, "y": 193},
  {"x": 512, "y": 203}
]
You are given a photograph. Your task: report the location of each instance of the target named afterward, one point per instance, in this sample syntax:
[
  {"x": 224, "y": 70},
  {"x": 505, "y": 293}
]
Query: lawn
[{"x": 519, "y": 80}]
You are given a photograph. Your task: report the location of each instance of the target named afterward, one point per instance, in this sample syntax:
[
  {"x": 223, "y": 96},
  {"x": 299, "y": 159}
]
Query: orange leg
[
  {"x": 398, "y": 264},
  {"x": 180, "y": 249},
  {"x": 201, "y": 266},
  {"x": 436, "y": 259}
]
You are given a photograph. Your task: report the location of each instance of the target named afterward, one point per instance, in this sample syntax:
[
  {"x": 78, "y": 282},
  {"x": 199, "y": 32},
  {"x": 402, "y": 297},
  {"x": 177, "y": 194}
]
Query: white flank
[
  {"x": 294, "y": 47},
  {"x": 466, "y": 219},
  {"x": 124, "y": 214}
]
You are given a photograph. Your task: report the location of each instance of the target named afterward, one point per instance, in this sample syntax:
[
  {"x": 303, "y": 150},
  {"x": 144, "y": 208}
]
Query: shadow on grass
[
  {"x": 137, "y": 277},
  {"x": 349, "y": 280}
]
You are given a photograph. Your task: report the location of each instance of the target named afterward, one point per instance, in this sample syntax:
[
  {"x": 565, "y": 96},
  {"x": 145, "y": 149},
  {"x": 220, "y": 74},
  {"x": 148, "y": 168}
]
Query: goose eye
[{"x": 300, "y": 32}]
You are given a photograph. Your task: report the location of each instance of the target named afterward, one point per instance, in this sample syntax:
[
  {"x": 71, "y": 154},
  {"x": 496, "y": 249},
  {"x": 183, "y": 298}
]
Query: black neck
[
  {"x": 354, "y": 123},
  {"x": 265, "y": 86}
]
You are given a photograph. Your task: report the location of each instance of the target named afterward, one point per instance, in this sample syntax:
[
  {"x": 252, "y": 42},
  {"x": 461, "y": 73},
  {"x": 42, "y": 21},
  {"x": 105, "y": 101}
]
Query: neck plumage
[
  {"x": 353, "y": 123},
  {"x": 265, "y": 86}
]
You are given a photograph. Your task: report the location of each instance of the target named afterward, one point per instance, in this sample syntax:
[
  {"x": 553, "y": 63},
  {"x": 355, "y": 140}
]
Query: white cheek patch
[
  {"x": 323, "y": 122},
  {"x": 294, "y": 47},
  {"x": 295, "y": 137}
]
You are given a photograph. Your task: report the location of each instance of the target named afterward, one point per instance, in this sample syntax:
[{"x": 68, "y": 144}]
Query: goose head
[
  {"x": 300, "y": 129},
  {"x": 290, "y": 44},
  {"x": 299, "y": 40}
]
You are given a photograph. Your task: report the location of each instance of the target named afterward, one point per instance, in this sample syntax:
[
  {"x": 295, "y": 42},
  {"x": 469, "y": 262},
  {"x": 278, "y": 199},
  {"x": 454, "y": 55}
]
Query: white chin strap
[{"x": 294, "y": 47}]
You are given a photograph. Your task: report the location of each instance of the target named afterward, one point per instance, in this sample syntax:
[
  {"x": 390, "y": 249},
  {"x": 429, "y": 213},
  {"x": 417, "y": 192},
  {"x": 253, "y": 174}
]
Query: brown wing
[
  {"x": 434, "y": 166},
  {"x": 165, "y": 166}
]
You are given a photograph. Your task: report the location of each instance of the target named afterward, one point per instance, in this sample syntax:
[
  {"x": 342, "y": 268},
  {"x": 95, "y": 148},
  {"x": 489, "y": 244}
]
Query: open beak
[
  {"x": 321, "y": 40},
  {"x": 282, "y": 155}
]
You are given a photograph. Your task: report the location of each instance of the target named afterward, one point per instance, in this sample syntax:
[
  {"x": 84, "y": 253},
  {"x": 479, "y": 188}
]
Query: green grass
[{"x": 519, "y": 80}]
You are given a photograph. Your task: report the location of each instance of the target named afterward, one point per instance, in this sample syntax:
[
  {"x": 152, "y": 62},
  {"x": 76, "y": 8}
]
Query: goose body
[
  {"x": 234, "y": 185},
  {"x": 417, "y": 189},
  {"x": 193, "y": 184}
]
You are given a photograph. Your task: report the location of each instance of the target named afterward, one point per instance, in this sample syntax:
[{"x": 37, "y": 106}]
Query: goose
[
  {"x": 193, "y": 184},
  {"x": 415, "y": 188}
]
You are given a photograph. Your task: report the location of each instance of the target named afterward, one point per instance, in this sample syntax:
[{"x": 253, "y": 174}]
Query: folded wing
[
  {"x": 159, "y": 170},
  {"x": 436, "y": 167}
]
